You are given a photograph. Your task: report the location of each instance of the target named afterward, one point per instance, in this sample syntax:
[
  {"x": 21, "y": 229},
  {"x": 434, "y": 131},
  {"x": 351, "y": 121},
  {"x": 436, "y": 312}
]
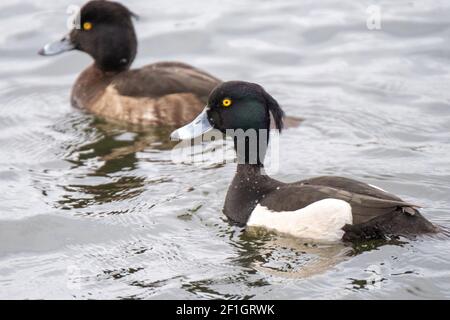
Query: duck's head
[
  {"x": 105, "y": 32},
  {"x": 231, "y": 106},
  {"x": 242, "y": 111}
]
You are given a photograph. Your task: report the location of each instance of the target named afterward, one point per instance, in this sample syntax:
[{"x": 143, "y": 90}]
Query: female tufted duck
[{"x": 164, "y": 93}]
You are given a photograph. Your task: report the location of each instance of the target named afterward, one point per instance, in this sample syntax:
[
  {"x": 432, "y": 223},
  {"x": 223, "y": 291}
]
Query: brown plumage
[{"x": 163, "y": 93}]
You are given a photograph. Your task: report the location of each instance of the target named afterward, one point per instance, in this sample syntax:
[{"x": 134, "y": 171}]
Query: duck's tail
[{"x": 402, "y": 221}]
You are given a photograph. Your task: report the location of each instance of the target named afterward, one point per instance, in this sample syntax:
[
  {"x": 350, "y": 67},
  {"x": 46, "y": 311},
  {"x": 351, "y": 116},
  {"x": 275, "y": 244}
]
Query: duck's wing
[
  {"x": 350, "y": 185},
  {"x": 365, "y": 207},
  {"x": 166, "y": 78},
  {"x": 170, "y": 80},
  {"x": 166, "y": 93}
]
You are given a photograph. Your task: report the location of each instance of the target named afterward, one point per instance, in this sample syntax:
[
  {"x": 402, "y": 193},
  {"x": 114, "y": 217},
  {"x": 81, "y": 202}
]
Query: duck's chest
[
  {"x": 89, "y": 87},
  {"x": 247, "y": 189}
]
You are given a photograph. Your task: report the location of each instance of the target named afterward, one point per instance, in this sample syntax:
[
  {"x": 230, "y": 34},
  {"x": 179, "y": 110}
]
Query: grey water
[{"x": 93, "y": 210}]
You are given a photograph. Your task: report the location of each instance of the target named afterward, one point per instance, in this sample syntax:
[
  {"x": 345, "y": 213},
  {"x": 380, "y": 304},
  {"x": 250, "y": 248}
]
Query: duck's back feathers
[
  {"x": 351, "y": 185},
  {"x": 364, "y": 207},
  {"x": 397, "y": 222},
  {"x": 166, "y": 93},
  {"x": 164, "y": 78}
]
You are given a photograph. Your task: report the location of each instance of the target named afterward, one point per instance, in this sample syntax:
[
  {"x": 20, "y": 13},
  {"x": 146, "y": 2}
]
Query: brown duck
[{"x": 169, "y": 93}]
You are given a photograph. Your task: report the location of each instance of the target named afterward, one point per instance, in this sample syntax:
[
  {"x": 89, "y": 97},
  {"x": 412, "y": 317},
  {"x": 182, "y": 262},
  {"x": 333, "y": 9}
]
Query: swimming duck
[
  {"x": 163, "y": 93},
  {"x": 327, "y": 208}
]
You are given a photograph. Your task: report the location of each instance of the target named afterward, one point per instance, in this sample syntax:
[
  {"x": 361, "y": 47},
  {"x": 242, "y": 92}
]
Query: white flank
[
  {"x": 321, "y": 221},
  {"x": 377, "y": 188}
]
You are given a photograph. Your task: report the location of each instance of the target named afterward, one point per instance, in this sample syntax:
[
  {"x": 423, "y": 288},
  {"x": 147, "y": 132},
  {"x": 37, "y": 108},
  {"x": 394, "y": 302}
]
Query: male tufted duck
[{"x": 326, "y": 208}]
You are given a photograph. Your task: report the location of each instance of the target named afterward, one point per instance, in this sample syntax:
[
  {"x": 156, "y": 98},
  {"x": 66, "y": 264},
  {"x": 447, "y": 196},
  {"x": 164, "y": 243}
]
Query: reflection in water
[
  {"x": 369, "y": 245},
  {"x": 264, "y": 257},
  {"x": 289, "y": 257},
  {"x": 111, "y": 157},
  {"x": 118, "y": 145}
]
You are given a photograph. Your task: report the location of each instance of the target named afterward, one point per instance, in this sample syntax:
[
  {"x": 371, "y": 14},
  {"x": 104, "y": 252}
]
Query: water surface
[{"x": 90, "y": 209}]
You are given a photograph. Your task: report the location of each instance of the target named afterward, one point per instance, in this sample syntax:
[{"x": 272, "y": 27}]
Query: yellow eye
[
  {"x": 87, "y": 26},
  {"x": 226, "y": 102}
]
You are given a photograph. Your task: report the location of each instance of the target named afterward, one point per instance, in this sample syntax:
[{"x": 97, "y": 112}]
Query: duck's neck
[
  {"x": 116, "y": 51},
  {"x": 90, "y": 83},
  {"x": 251, "y": 146},
  {"x": 115, "y": 61},
  {"x": 249, "y": 184},
  {"x": 248, "y": 188}
]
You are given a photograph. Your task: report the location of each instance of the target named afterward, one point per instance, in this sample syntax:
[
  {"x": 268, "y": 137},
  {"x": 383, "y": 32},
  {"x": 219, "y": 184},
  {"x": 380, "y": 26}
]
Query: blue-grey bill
[
  {"x": 57, "y": 47},
  {"x": 197, "y": 127}
]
